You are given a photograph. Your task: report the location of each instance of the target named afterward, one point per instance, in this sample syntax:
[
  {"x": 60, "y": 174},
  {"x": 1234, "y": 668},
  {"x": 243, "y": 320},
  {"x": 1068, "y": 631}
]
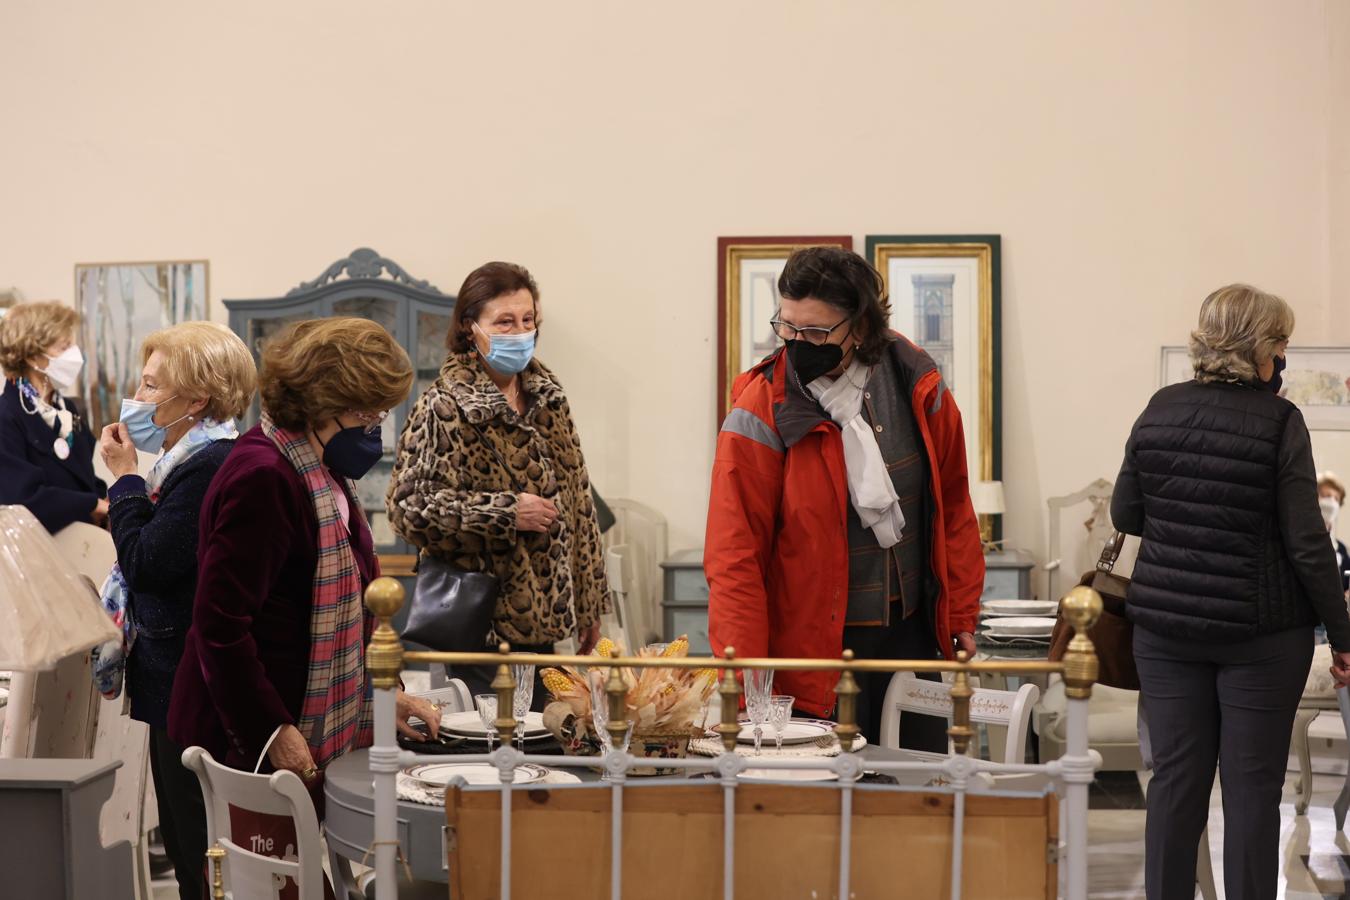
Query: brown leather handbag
[{"x": 1113, "y": 635}]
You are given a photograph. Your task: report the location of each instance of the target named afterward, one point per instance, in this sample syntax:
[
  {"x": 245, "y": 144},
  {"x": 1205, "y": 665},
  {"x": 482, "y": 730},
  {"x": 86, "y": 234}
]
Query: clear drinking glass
[
  {"x": 523, "y": 699},
  {"x": 600, "y": 718},
  {"x": 780, "y": 713},
  {"x": 758, "y": 689},
  {"x": 487, "y": 712}
]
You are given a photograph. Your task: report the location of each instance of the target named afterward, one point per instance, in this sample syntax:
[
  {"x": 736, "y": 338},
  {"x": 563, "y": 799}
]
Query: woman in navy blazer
[
  {"x": 197, "y": 378},
  {"x": 46, "y": 448}
]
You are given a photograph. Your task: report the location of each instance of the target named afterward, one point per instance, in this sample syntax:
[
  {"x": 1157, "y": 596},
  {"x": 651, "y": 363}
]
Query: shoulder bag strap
[{"x": 1111, "y": 552}]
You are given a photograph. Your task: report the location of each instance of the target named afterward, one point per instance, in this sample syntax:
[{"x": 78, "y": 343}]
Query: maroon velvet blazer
[{"x": 246, "y": 659}]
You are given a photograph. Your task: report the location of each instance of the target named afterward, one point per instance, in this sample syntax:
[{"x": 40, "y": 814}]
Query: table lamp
[
  {"x": 49, "y": 612},
  {"x": 987, "y": 498}
]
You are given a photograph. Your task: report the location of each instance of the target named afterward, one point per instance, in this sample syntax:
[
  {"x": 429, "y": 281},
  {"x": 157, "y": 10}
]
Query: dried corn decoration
[{"x": 657, "y": 699}]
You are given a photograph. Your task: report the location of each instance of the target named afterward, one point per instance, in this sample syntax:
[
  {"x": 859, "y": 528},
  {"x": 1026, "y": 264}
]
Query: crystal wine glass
[
  {"x": 758, "y": 689},
  {"x": 487, "y": 712},
  {"x": 600, "y": 720},
  {"x": 780, "y": 713},
  {"x": 522, "y": 700}
]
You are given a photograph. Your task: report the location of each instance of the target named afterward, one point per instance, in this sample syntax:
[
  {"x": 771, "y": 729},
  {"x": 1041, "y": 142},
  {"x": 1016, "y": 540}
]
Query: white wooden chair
[
  {"x": 1319, "y": 695},
  {"x": 249, "y": 874},
  {"x": 645, "y": 534},
  {"x": 453, "y": 697},
  {"x": 618, "y": 573},
  {"x": 1009, "y": 709}
]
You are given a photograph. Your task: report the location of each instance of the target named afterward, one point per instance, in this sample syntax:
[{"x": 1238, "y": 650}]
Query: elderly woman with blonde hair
[
  {"x": 1234, "y": 572},
  {"x": 274, "y": 671},
  {"x": 46, "y": 450},
  {"x": 196, "y": 379}
]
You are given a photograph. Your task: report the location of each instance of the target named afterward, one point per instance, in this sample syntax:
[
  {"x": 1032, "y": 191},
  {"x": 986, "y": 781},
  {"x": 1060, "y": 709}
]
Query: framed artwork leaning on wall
[
  {"x": 945, "y": 296},
  {"x": 747, "y": 297},
  {"x": 121, "y": 303},
  {"x": 1317, "y": 381}
]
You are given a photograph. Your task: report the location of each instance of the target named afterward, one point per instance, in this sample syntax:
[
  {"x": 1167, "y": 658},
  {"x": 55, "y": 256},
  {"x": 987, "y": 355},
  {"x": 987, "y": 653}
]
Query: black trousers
[
  {"x": 1233, "y": 703},
  {"x": 182, "y": 814},
  {"x": 910, "y": 638}
]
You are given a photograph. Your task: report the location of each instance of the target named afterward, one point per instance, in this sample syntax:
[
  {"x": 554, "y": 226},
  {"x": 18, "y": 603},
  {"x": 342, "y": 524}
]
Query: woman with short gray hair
[{"x": 1234, "y": 572}]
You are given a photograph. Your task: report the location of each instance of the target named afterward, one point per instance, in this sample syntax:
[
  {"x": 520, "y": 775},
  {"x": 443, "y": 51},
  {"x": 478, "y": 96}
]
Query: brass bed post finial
[
  {"x": 960, "y": 731},
  {"x": 217, "y": 856},
  {"x": 730, "y": 691},
  {"x": 847, "y": 692},
  {"x": 618, "y": 707},
  {"x": 384, "y": 654},
  {"x": 1082, "y": 606},
  {"x": 504, "y": 686}
]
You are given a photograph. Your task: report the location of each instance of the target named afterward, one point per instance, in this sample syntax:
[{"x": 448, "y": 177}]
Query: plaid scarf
[{"x": 336, "y": 717}]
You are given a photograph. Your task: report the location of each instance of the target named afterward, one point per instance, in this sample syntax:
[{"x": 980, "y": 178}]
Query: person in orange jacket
[{"x": 840, "y": 514}]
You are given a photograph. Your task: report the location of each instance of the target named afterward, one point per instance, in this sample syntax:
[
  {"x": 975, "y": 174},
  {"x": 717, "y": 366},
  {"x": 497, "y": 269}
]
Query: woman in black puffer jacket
[{"x": 1234, "y": 573}]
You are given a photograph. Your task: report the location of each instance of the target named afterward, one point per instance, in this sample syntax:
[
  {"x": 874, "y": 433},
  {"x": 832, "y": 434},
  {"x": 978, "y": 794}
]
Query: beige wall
[{"x": 1133, "y": 156}]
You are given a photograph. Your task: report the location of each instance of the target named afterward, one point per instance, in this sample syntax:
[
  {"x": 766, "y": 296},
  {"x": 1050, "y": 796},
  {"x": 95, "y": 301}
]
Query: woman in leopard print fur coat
[{"x": 490, "y": 476}]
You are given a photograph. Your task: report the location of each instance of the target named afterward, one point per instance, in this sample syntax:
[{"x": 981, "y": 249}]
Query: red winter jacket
[{"x": 776, "y": 554}]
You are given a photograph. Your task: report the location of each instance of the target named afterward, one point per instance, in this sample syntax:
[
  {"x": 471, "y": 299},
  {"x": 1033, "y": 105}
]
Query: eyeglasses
[
  {"x": 370, "y": 421},
  {"x": 811, "y": 334}
]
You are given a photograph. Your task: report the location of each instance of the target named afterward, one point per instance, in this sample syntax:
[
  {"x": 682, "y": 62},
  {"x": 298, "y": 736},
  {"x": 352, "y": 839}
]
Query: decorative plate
[
  {"x": 468, "y": 724},
  {"x": 438, "y": 775},
  {"x": 798, "y": 731},
  {"x": 788, "y": 775}
]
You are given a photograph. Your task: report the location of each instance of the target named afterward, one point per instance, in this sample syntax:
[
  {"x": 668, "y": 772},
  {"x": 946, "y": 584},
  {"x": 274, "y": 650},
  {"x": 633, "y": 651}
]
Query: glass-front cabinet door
[
  {"x": 417, "y": 318},
  {"x": 430, "y": 326}
]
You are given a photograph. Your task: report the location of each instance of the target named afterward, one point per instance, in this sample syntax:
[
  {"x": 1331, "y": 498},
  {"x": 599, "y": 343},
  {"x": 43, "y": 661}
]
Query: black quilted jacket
[{"x": 1219, "y": 482}]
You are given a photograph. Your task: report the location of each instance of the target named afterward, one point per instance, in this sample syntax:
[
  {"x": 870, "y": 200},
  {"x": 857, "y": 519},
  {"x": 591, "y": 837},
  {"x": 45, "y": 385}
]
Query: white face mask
[
  {"x": 63, "y": 370},
  {"x": 1330, "y": 510}
]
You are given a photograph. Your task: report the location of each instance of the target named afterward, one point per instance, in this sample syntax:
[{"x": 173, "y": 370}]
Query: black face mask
[
  {"x": 1277, "y": 380},
  {"x": 352, "y": 452},
  {"x": 810, "y": 361}
]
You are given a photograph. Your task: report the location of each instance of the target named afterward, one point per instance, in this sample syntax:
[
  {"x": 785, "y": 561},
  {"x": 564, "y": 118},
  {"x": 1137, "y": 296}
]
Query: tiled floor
[{"x": 1316, "y": 859}]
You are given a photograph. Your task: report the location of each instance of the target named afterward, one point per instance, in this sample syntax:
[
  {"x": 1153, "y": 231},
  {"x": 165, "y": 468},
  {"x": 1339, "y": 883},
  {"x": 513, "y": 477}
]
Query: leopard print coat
[{"x": 451, "y": 496}]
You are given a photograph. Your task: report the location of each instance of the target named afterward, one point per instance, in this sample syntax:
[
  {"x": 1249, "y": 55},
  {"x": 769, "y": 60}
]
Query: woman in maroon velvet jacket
[{"x": 275, "y": 658}]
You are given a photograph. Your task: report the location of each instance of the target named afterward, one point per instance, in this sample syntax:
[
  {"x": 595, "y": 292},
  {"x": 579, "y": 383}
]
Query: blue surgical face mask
[
  {"x": 352, "y": 452},
  {"x": 509, "y": 353},
  {"x": 139, "y": 417}
]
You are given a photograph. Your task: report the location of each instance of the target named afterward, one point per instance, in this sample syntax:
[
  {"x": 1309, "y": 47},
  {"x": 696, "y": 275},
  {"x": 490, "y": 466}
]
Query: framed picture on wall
[
  {"x": 1175, "y": 366},
  {"x": 121, "y": 304},
  {"x": 747, "y": 297},
  {"x": 1316, "y": 380},
  {"x": 945, "y": 296}
]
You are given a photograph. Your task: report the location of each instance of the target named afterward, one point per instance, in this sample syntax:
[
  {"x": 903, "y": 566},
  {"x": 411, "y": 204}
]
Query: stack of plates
[
  {"x": 1020, "y": 627},
  {"x": 1000, "y": 608},
  {"x": 468, "y": 725},
  {"x": 436, "y": 776}
]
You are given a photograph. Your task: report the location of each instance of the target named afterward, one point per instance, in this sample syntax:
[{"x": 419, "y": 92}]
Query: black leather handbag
[{"x": 452, "y": 608}]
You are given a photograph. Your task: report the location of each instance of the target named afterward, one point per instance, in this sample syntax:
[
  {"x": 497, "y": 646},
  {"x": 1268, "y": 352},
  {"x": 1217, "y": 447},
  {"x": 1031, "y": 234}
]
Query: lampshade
[
  {"x": 987, "y": 497},
  {"x": 49, "y": 611}
]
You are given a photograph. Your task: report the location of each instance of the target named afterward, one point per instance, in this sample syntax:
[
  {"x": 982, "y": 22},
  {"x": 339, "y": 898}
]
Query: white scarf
[{"x": 869, "y": 483}]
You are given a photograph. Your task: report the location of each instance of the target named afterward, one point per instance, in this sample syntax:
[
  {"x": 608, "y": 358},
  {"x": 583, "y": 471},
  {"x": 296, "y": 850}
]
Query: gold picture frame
[
  {"x": 760, "y": 259},
  {"x": 952, "y": 319}
]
